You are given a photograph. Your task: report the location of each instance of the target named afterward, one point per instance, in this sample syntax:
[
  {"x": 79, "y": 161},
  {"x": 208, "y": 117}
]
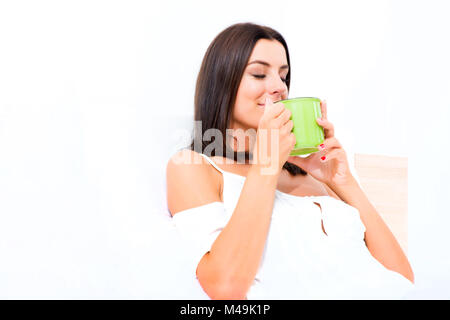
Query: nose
[{"x": 277, "y": 88}]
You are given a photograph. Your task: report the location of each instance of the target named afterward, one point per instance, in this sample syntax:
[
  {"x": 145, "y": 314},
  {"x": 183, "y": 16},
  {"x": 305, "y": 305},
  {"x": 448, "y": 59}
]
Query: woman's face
[{"x": 263, "y": 77}]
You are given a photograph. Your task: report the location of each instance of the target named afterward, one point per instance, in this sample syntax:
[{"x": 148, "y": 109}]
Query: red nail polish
[
  {"x": 322, "y": 146},
  {"x": 323, "y": 158}
]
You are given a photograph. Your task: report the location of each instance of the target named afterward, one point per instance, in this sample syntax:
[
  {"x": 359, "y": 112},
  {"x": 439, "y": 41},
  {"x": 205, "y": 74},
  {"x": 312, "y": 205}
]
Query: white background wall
[{"x": 86, "y": 92}]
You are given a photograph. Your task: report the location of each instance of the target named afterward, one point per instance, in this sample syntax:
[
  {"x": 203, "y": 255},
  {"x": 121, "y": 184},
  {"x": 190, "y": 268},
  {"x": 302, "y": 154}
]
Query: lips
[
  {"x": 264, "y": 102},
  {"x": 261, "y": 105}
]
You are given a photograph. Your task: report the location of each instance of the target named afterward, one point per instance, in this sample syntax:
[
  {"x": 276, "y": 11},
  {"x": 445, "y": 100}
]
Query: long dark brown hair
[{"x": 218, "y": 81}]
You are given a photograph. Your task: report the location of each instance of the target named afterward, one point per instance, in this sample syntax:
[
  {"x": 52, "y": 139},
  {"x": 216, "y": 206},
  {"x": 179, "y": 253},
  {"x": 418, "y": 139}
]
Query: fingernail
[
  {"x": 322, "y": 146},
  {"x": 323, "y": 158}
]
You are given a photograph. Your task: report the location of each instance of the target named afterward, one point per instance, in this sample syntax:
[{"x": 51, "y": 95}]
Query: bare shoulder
[{"x": 191, "y": 181}]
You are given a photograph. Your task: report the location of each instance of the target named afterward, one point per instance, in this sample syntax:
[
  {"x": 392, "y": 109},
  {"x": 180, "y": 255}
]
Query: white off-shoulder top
[{"x": 299, "y": 261}]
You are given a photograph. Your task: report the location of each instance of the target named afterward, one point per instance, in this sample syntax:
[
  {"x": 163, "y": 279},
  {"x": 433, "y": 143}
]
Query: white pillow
[{"x": 169, "y": 134}]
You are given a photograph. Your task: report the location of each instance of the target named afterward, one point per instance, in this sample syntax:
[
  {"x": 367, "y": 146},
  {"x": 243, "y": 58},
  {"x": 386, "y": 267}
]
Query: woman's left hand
[{"x": 329, "y": 165}]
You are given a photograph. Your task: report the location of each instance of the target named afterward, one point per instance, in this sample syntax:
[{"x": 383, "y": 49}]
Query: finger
[
  {"x": 267, "y": 105},
  {"x": 272, "y": 110},
  {"x": 327, "y": 126},
  {"x": 329, "y": 144},
  {"x": 284, "y": 117},
  {"x": 337, "y": 153},
  {"x": 293, "y": 139},
  {"x": 287, "y": 127},
  {"x": 323, "y": 109}
]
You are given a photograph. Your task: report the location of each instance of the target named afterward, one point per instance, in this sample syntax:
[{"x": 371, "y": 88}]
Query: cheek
[
  {"x": 246, "y": 112},
  {"x": 254, "y": 90},
  {"x": 249, "y": 94}
]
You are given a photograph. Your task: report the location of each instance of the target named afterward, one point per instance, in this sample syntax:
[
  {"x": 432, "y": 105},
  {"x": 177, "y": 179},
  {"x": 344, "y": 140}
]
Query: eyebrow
[{"x": 268, "y": 64}]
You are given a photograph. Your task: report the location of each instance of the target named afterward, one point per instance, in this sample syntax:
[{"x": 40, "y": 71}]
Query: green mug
[{"x": 308, "y": 134}]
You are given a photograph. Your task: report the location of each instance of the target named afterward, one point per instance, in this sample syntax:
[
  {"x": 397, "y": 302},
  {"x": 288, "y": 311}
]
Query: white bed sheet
[{"x": 85, "y": 217}]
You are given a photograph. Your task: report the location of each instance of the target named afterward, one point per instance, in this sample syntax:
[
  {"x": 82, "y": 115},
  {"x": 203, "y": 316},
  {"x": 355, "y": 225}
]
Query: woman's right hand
[{"x": 274, "y": 139}]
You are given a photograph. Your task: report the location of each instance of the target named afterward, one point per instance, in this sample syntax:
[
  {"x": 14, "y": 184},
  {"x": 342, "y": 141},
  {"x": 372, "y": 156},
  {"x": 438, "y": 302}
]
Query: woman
[{"x": 264, "y": 224}]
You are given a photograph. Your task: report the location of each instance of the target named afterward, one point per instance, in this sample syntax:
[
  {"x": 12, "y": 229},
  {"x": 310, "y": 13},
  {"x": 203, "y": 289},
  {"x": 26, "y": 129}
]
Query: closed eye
[{"x": 262, "y": 76}]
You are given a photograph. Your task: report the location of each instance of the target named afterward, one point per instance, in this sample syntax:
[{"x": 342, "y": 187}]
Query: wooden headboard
[{"x": 384, "y": 179}]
